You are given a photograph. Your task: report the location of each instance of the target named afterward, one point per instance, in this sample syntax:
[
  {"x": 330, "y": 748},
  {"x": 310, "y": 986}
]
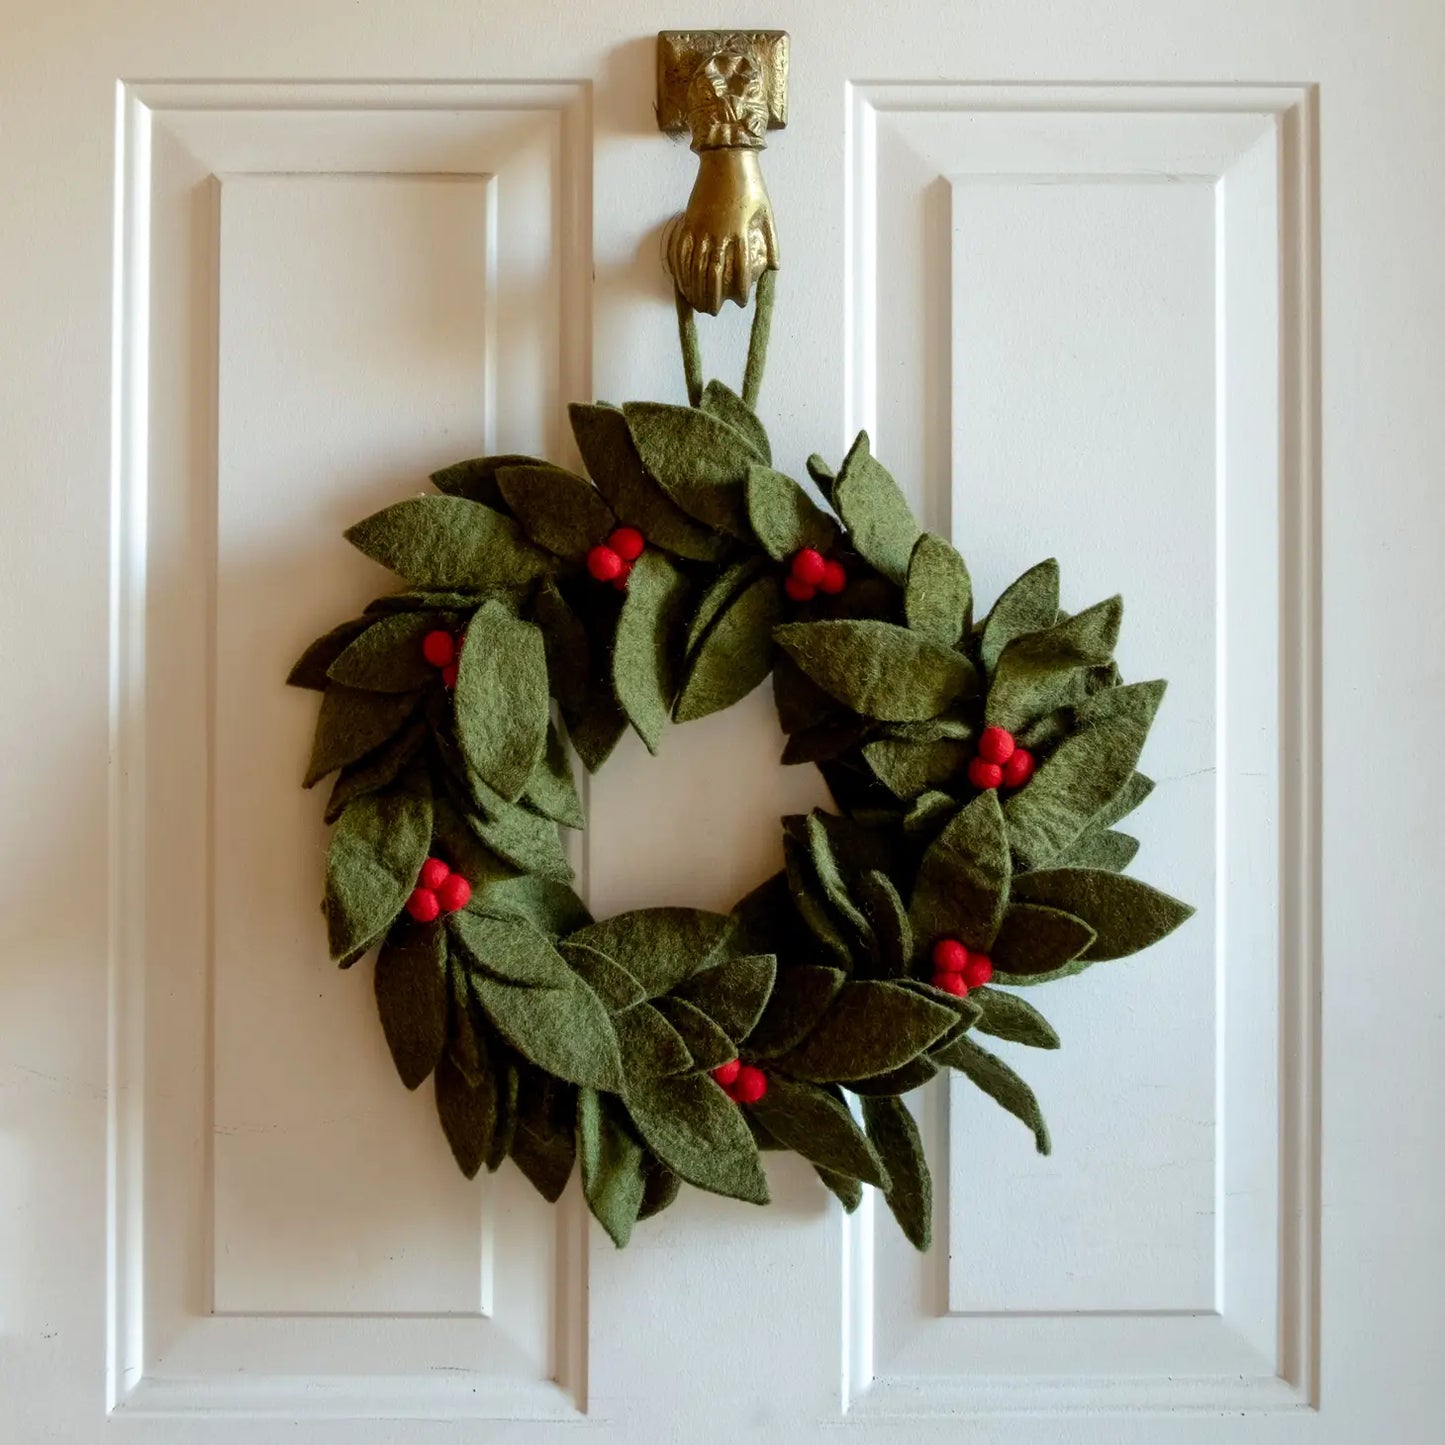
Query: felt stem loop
[
  {"x": 757, "y": 342},
  {"x": 691, "y": 351}
]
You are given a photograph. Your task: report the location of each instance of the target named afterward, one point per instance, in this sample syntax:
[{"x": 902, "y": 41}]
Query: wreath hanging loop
[{"x": 978, "y": 764}]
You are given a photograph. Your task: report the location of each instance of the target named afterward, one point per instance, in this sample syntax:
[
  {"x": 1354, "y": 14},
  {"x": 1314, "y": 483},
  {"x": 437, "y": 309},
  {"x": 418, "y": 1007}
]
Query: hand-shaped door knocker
[{"x": 726, "y": 89}]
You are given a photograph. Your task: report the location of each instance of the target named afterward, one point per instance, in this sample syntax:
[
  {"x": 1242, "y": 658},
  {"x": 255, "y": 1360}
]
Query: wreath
[{"x": 979, "y": 767}]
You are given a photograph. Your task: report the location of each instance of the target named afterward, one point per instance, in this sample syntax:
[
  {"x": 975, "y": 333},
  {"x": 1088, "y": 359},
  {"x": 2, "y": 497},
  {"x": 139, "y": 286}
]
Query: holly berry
[
  {"x": 726, "y": 1074},
  {"x": 978, "y": 970},
  {"x": 834, "y": 578},
  {"x": 797, "y": 589},
  {"x": 423, "y": 905},
  {"x": 951, "y": 983},
  {"x": 1019, "y": 768},
  {"x": 433, "y": 874},
  {"x": 449, "y": 676},
  {"x": 750, "y": 1085},
  {"x": 605, "y": 563},
  {"x": 454, "y": 893},
  {"x": 808, "y": 566},
  {"x": 984, "y": 775},
  {"x": 627, "y": 542},
  {"x": 996, "y": 746},
  {"x": 439, "y": 648},
  {"x": 949, "y": 956}
]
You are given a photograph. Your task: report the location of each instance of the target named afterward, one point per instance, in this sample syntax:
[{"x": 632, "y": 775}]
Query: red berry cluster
[
  {"x": 742, "y": 1083},
  {"x": 1000, "y": 763},
  {"x": 438, "y": 890},
  {"x": 612, "y": 560},
  {"x": 810, "y": 573},
  {"x": 440, "y": 649},
  {"x": 956, "y": 970}
]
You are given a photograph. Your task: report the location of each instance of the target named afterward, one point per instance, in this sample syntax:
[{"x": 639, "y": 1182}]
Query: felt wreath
[{"x": 978, "y": 767}]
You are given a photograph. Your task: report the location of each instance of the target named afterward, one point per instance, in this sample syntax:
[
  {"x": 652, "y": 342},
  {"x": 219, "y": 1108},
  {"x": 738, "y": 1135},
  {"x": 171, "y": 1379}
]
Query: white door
[{"x": 1154, "y": 287}]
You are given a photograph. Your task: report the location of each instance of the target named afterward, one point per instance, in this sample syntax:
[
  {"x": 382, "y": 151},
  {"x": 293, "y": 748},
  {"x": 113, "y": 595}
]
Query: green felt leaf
[
  {"x": 1006, "y": 1016},
  {"x": 595, "y": 728},
  {"x": 455, "y": 844},
  {"x": 1001, "y": 1084},
  {"x": 930, "y": 811},
  {"x": 784, "y": 517},
  {"x": 1024, "y": 606},
  {"x": 801, "y": 996},
  {"x": 521, "y": 837},
  {"x": 659, "y": 947},
  {"x": 544, "y": 1143},
  {"x": 1040, "y": 671},
  {"x": 910, "y": 768},
  {"x": 551, "y": 789},
  {"x": 727, "y": 406},
  {"x": 643, "y": 676},
  {"x": 1086, "y": 771},
  {"x": 411, "y": 997},
  {"x": 700, "y": 462},
  {"x": 822, "y": 474},
  {"x": 938, "y": 595},
  {"x": 1134, "y": 791},
  {"x": 607, "y": 978},
  {"x": 878, "y": 669},
  {"x": 811, "y": 902},
  {"x": 311, "y": 668},
  {"x": 735, "y": 653},
  {"x": 966, "y": 1011},
  {"x": 567, "y": 645},
  {"x": 766, "y": 918},
  {"x": 468, "y": 1114},
  {"x": 849, "y": 1192},
  {"x": 425, "y": 599},
  {"x": 564, "y": 1030},
  {"x": 650, "y": 1045},
  {"x": 824, "y": 742},
  {"x": 558, "y": 509},
  {"x": 699, "y": 1133},
  {"x": 376, "y": 852},
  {"x": 660, "y": 1188},
  {"x": 869, "y": 1028},
  {"x": 508, "y": 1074},
  {"x": 387, "y": 657},
  {"x": 1099, "y": 847},
  {"x": 612, "y": 1164},
  {"x": 376, "y": 770},
  {"x": 1036, "y": 944},
  {"x": 501, "y": 700},
  {"x": 546, "y": 903},
  {"x": 511, "y": 949},
  {"x": 449, "y": 542},
  {"x": 732, "y": 993},
  {"x": 1126, "y": 915},
  {"x": 813, "y": 1123},
  {"x": 829, "y": 872},
  {"x": 963, "y": 880},
  {"x": 476, "y": 478},
  {"x": 877, "y": 515},
  {"x": 799, "y": 701},
  {"x": 353, "y": 723},
  {"x": 896, "y": 1082},
  {"x": 467, "y": 1044},
  {"x": 892, "y": 932},
  {"x": 613, "y": 463},
  {"x": 894, "y": 1135},
  {"x": 709, "y": 1046}
]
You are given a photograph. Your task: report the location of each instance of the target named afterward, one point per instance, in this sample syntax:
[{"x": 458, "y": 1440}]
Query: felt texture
[
  {"x": 801, "y": 996},
  {"x": 1083, "y": 774},
  {"x": 476, "y": 478},
  {"x": 877, "y": 668},
  {"x": 895, "y": 1138},
  {"x": 732, "y": 993},
  {"x": 511, "y": 949},
  {"x": 1134, "y": 791},
  {"x": 607, "y": 978},
  {"x": 1036, "y": 944},
  {"x": 892, "y": 932},
  {"x": 824, "y": 742},
  {"x": 706, "y": 1042},
  {"x": 1001, "y": 1084},
  {"x": 353, "y": 723},
  {"x": 688, "y": 344},
  {"x": 700, "y": 462},
  {"x": 520, "y": 837},
  {"x": 449, "y": 542},
  {"x": 810, "y": 1121},
  {"x": 735, "y": 653},
  {"x": 823, "y": 475},
  {"x": 1040, "y": 671},
  {"x": 376, "y": 852},
  {"x": 551, "y": 790},
  {"x": 784, "y": 518},
  {"x": 812, "y": 905},
  {"x": 659, "y": 947},
  {"x": 643, "y": 674},
  {"x": 799, "y": 702},
  {"x": 411, "y": 998},
  {"x": 938, "y": 593},
  {"x": 388, "y": 656},
  {"x": 910, "y": 768},
  {"x": 829, "y": 872},
  {"x": 468, "y": 1114},
  {"x": 613, "y": 464},
  {"x": 717, "y": 596},
  {"x": 424, "y": 599},
  {"x": 963, "y": 880},
  {"x": 376, "y": 770},
  {"x": 595, "y": 728},
  {"x": 501, "y": 699},
  {"x": 611, "y": 1156},
  {"x": 727, "y": 406},
  {"x": 507, "y": 1071},
  {"x": 558, "y": 509},
  {"x": 310, "y": 670},
  {"x": 849, "y": 1192},
  {"x": 566, "y": 644},
  {"x": 1026, "y": 605},
  {"x": 877, "y": 515},
  {"x": 544, "y": 1141},
  {"x": 1098, "y": 847},
  {"x": 896, "y": 1082},
  {"x": 660, "y": 1188},
  {"x": 1126, "y": 914},
  {"x": 1006, "y": 1016},
  {"x": 650, "y": 1045},
  {"x": 699, "y": 1133},
  {"x": 869, "y": 1028},
  {"x": 546, "y": 903},
  {"x": 758, "y": 337}
]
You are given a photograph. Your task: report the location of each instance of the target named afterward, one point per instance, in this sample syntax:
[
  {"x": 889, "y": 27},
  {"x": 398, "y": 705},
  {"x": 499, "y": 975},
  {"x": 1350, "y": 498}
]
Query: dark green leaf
[
  {"x": 877, "y": 515},
  {"x": 907, "y": 769},
  {"x": 709, "y": 1046},
  {"x": 1126, "y": 915},
  {"x": 812, "y": 1122},
  {"x": 612, "y": 1158},
  {"x": 659, "y": 1189},
  {"x": 1039, "y": 671},
  {"x": 411, "y": 997},
  {"x": 849, "y": 1192},
  {"x": 894, "y": 1135},
  {"x": 643, "y": 676},
  {"x": 468, "y": 1114},
  {"x": 353, "y": 723},
  {"x": 387, "y": 657},
  {"x": 605, "y": 976},
  {"x": 551, "y": 790},
  {"x": 546, "y": 903},
  {"x": 963, "y": 880},
  {"x": 1099, "y": 848},
  {"x": 659, "y": 947},
  {"x": 699, "y": 461},
  {"x": 939, "y": 593},
  {"x": 1026, "y": 605},
  {"x": 650, "y": 1045},
  {"x": 558, "y": 509},
  {"x": 1007, "y": 1016},
  {"x": 699, "y": 1133},
  {"x": 892, "y": 932},
  {"x": 1000, "y": 1083},
  {"x": 310, "y": 669},
  {"x": 1037, "y": 945},
  {"x": 727, "y": 406},
  {"x": 732, "y": 993},
  {"x": 476, "y": 479},
  {"x": 510, "y": 948},
  {"x": 376, "y": 770},
  {"x": 869, "y": 1028},
  {"x": 568, "y": 647},
  {"x": 735, "y": 653},
  {"x": 565, "y": 1031},
  {"x": 784, "y": 517},
  {"x": 544, "y": 1143}
]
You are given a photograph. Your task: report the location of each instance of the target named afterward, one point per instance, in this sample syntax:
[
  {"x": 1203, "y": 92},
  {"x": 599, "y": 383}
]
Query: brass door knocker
[{"x": 727, "y": 89}]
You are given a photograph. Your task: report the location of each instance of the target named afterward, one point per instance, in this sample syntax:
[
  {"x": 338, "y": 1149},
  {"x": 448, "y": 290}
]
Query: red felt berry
[
  {"x": 834, "y": 578},
  {"x": 627, "y": 542},
  {"x": 439, "y": 648},
  {"x": 797, "y": 589},
  {"x": 984, "y": 775},
  {"x": 1019, "y": 768},
  {"x": 949, "y": 955},
  {"x": 750, "y": 1085},
  {"x": 808, "y": 566},
  {"x": 951, "y": 983},
  {"x": 604, "y": 564},
  {"x": 423, "y": 905},
  {"x": 449, "y": 675},
  {"x": 455, "y": 892},
  {"x": 433, "y": 874},
  {"x": 996, "y": 745},
  {"x": 726, "y": 1074},
  {"x": 978, "y": 970}
]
